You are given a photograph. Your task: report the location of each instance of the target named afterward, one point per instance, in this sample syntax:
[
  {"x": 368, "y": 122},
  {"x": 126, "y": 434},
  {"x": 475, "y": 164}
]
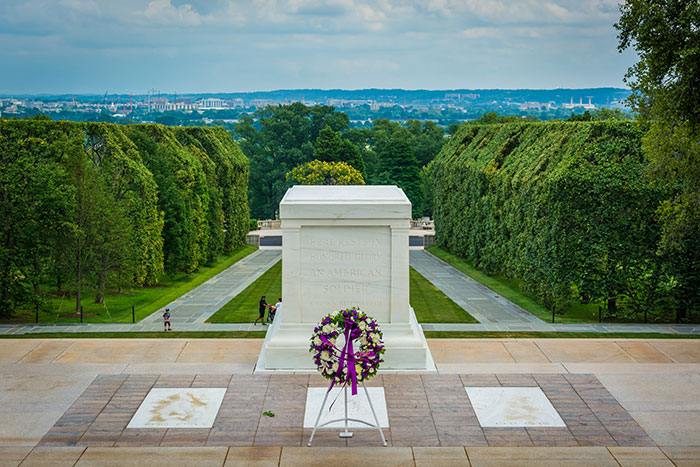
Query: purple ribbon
[{"x": 348, "y": 355}]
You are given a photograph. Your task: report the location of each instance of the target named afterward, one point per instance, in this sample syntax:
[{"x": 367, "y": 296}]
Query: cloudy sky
[{"x": 93, "y": 46}]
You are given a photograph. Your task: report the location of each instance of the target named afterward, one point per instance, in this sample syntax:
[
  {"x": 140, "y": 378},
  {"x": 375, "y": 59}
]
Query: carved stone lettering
[{"x": 343, "y": 267}]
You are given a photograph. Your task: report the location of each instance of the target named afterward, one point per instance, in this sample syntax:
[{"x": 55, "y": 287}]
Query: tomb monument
[{"x": 345, "y": 246}]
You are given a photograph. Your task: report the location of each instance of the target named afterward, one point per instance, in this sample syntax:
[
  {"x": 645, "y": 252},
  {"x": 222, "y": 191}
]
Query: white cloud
[{"x": 164, "y": 12}]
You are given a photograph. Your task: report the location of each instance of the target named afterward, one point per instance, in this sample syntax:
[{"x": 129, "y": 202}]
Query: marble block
[
  {"x": 358, "y": 407},
  {"x": 178, "y": 408},
  {"x": 345, "y": 246},
  {"x": 513, "y": 407}
]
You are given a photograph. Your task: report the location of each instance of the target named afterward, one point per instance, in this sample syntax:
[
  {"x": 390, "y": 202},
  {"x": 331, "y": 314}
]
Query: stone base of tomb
[{"x": 286, "y": 347}]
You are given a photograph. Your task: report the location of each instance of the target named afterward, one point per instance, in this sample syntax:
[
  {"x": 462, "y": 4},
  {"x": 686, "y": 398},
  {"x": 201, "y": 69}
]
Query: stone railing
[
  {"x": 423, "y": 224},
  {"x": 270, "y": 224},
  {"x": 417, "y": 224}
]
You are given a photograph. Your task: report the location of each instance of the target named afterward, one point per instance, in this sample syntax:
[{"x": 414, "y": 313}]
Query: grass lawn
[
  {"x": 117, "y": 307},
  {"x": 143, "y": 335},
  {"x": 243, "y": 308},
  {"x": 433, "y": 306},
  {"x": 429, "y": 303},
  {"x": 511, "y": 289},
  {"x": 553, "y": 335}
]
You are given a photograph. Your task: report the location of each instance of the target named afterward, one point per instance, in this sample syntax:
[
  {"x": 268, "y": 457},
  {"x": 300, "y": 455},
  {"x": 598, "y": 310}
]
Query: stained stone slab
[
  {"x": 178, "y": 408},
  {"x": 513, "y": 407},
  {"x": 358, "y": 407}
]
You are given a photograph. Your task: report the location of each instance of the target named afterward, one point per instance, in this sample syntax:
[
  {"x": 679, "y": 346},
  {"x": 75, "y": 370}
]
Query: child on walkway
[{"x": 166, "y": 320}]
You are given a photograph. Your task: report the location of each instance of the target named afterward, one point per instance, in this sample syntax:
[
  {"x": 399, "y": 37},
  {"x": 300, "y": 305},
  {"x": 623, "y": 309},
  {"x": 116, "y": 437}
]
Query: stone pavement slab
[
  {"x": 54, "y": 457},
  {"x": 166, "y": 457},
  {"x": 13, "y": 455},
  {"x": 12, "y": 351},
  {"x": 326, "y": 456},
  {"x": 683, "y": 455}
]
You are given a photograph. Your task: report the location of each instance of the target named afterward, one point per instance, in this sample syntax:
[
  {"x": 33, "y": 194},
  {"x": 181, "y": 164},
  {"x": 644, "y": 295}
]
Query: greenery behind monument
[{"x": 103, "y": 208}]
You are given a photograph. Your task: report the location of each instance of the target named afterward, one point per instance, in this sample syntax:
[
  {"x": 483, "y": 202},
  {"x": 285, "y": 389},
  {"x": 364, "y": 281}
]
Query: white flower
[
  {"x": 358, "y": 368},
  {"x": 325, "y": 355},
  {"x": 327, "y": 329},
  {"x": 362, "y": 325},
  {"x": 363, "y": 340},
  {"x": 318, "y": 341},
  {"x": 335, "y": 367}
]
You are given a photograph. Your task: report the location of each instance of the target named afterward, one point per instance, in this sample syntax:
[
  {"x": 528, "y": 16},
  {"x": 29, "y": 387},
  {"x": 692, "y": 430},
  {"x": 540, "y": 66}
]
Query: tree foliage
[
  {"x": 279, "y": 138},
  {"x": 563, "y": 206},
  {"x": 665, "y": 85},
  {"x": 98, "y": 205},
  {"x": 325, "y": 173}
]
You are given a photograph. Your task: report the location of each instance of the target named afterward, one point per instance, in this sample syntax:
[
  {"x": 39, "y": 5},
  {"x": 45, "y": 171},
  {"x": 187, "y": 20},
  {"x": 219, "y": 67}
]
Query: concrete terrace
[{"x": 625, "y": 402}]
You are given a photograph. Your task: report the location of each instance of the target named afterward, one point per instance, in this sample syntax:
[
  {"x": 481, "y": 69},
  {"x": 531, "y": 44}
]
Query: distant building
[
  {"x": 262, "y": 102},
  {"x": 580, "y": 104},
  {"x": 211, "y": 104},
  {"x": 349, "y": 102}
]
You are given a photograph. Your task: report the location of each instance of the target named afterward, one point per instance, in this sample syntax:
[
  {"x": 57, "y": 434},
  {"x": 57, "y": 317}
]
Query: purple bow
[{"x": 352, "y": 332}]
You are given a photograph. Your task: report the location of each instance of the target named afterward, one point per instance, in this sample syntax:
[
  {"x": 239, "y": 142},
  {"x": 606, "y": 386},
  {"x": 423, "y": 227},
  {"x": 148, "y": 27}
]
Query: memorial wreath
[{"x": 347, "y": 364}]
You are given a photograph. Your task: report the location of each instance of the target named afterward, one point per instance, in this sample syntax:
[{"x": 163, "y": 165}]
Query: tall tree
[
  {"x": 331, "y": 147},
  {"x": 325, "y": 173},
  {"x": 665, "y": 85},
  {"x": 399, "y": 166},
  {"x": 277, "y": 139},
  {"x": 34, "y": 201}
]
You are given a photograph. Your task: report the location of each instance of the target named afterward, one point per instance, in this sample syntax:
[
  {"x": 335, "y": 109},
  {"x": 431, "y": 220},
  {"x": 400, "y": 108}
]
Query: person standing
[
  {"x": 278, "y": 305},
  {"x": 261, "y": 310},
  {"x": 166, "y": 320}
]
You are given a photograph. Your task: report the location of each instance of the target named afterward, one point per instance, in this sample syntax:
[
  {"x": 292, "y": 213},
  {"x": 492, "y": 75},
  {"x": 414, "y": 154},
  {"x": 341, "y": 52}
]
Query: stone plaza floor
[{"x": 624, "y": 402}]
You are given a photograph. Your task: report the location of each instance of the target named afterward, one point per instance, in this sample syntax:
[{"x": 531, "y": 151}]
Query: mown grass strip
[
  {"x": 142, "y": 335},
  {"x": 554, "y": 335},
  {"x": 429, "y": 303},
  {"x": 147, "y": 300}
]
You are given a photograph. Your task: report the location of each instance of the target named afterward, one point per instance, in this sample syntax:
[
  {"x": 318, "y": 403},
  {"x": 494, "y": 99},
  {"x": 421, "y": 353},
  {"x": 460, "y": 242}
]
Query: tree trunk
[
  {"x": 37, "y": 271},
  {"x": 5, "y": 304},
  {"x": 79, "y": 276},
  {"x": 100, "y": 297},
  {"x": 77, "y": 295}
]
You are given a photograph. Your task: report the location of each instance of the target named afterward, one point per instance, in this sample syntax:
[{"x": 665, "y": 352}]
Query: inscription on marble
[{"x": 343, "y": 267}]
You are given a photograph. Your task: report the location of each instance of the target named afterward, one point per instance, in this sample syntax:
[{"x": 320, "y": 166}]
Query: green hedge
[
  {"x": 563, "y": 206},
  {"x": 104, "y": 206}
]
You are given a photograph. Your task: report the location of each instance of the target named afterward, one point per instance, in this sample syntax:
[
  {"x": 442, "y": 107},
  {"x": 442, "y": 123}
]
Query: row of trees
[
  {"x": 563, "y": 206},
  {"x": 106, "y": 206},
  {"x": 619, "y": 216},
  {"x": 277, "y": 139}
]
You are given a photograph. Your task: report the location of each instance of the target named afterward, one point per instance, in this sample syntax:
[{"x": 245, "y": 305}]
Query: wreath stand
[{"x": 346, "y": 419}]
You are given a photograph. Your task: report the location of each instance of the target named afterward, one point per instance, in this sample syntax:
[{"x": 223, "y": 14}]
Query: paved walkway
[
  {"x": 199, "y": 304},
  {"x": 482, "y": 303}
]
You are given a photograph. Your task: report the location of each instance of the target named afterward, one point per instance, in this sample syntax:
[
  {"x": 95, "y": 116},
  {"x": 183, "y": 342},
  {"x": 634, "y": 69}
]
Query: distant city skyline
[{"x": 198, "y": 46}]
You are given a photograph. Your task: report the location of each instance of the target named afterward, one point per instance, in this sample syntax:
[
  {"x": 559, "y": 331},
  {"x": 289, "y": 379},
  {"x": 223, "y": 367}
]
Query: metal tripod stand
[{"x": 346, "y": 419}]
